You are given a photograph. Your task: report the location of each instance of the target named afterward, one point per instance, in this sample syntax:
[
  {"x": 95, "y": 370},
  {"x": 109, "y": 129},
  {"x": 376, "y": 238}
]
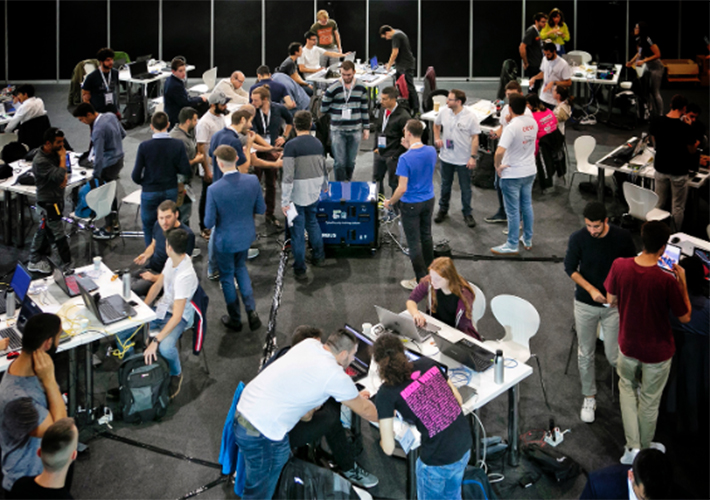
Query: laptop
[
  {"x": 139, "y": 71},
  {"x": 68, "y": 283},
  {"x": 404, "y": 325},
  {"x": 144, "y": 58},
  {"x": 466, "y": 352},
  {"x": 20, "y": 283},
  {"x": 29, "y": 309},
  {"x": 9, "y": 107},
  {"x": 108, "y": 310}
]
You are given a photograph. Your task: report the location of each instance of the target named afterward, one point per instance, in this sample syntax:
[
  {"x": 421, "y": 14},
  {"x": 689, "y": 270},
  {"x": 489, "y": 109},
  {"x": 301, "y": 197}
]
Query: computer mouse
[
  {"x": 675, "y": 239},
  {"x": 83, "y": 172}
]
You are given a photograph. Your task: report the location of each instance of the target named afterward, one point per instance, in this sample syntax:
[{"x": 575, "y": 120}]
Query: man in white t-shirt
[
  {"x": 515, "y": 164},
  {"x": 311, "y": 55},
  {"x": 553, "y": 71},
  {"x": 458, "y": 148},
  {"x": 174, "y": 310},
  {"x": 210, "y": 123},
  {"x": 292, "y": 389}
]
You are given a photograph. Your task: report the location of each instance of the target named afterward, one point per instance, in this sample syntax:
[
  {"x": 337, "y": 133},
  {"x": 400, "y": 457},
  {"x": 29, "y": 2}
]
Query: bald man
[{"x": 232, "y": 88}]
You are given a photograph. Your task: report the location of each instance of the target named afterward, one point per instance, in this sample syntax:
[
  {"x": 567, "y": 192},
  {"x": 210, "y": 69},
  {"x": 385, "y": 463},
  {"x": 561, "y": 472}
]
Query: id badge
[
  {"x": 407, "y": 441},
  {"x": 161, "y": 310},
  {"x": 449, "y": 144},
  {"x": 108, "y": 98},
  {"x": 381, "y": 141},
  {"x": 267, "y": 138},
  {"x": 347, "y": 114}
]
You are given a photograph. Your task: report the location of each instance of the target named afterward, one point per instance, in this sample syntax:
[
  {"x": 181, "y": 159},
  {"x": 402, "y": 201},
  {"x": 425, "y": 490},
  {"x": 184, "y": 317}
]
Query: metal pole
[
  {"x": 367, "y": 29},
  {"x": 419, "y": 39},
  {"x": 212, "y": 34},
  {"x": 57, "y": 69},
  {"x": 514, "y": 456},
  {"x": 263, "y": 32},
  {"x": 160, "y": 30},
  {"x": 522, "y": 69},
  {"x": 108, "y": 23},
  {"x": 575, "y": 25},
  {"x": 7, "y": 49},
  {"x": 470, "y": 39},
  {"x": 628, "y": 24},
  {"x": 680, "y": 25}
]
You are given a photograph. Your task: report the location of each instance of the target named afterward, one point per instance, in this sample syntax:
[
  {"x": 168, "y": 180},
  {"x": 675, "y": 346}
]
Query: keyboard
[
  {"x": 109, "y": 312},
  {"x": 3, "y": 304},
  {"x": 15, "y": 339},
  {"x": 481, "y": 358}
]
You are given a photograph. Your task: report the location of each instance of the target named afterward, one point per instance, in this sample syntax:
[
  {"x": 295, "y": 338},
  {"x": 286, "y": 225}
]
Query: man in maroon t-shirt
[{"x": 645, "y": 295}]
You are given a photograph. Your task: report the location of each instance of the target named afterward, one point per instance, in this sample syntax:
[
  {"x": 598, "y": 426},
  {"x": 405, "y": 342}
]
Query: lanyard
[
  {"x": 416, "y": 144},
  {"x": 345, "y": 90},
  {"x": 108, "y": 84},
  {"x": 265, "y": 121}
]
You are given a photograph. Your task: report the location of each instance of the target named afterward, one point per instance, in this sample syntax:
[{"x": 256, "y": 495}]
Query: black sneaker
[
  {"x": 440, "y": 216},
  {"x": 102, "y": 234},
  {"x": 360, "y": 477},
  {"x": 470, "y": 221},
  {"x": 318, "y": 262},
  {"x": 302, "y": 276},
  {"x": 175, "y": 384},
  {"x": 273, "y": 221},
  {"x": 497, "y": 218},
  {"x": 232, "y": 324},
  {"x": 254, "y": 321}
]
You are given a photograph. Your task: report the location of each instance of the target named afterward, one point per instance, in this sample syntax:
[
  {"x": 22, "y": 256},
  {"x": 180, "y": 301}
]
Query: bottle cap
[{"x": 499, "y": 352}]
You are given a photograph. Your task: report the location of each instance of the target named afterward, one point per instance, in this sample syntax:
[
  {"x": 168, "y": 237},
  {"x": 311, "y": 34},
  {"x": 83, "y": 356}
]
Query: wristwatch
[{"x": 155, "y": 339}]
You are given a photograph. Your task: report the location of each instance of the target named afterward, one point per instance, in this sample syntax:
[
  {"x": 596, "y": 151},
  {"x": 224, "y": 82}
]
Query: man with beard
[
  {"x": 100, "y": 88},
  {"x": 554, "y": 71},
  {"x": 31, "y": 375},
  {"x": 185, "y": 131},
  {"x": 590, "y": 254}
]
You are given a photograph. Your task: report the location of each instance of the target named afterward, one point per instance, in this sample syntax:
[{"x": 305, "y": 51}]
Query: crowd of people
[{"x": 297, "y": 397}]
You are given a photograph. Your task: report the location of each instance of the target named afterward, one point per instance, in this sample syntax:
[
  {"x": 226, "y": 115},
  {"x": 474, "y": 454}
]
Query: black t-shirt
[
  {"x": 288, "y": 67},
  {"x": 644, "y": 43},
  {"x": 405, "y": 58},
  {"x": 534, "y": 46},
  {"x": 427, "y": 402},
  {"x": 672, "y": 136},
  {"x": 446, "y": 307},
  {"x": 96, "y": 82},
  {"x": 593, "y": 257},
  {"x": 26, "y": 488},
  {"x": 160, "y": 255},
  {"x": 698, "y": 134}
]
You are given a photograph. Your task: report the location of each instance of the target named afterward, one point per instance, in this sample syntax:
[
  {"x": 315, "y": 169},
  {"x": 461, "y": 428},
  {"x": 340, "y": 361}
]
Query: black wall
[
  {"x": 137, "y": 35},
  {"x": 350, "y": 16},
  {"x": 401, "y": 15},
  {"x": 186, "y": 32},
  {"x": 497, "y": 32},
  {"x": 26, "y": 62},
  {"x": 447, "y": 50},
  {"x": 602, "y": 30},
  {"x": 237, "y": 36},
  {"x": 87, "y": 18},
  {"x": 286, "y": 22}
]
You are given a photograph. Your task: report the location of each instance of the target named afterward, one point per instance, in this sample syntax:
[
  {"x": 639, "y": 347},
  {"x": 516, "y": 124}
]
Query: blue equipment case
[{"x": 348, "y": 215}]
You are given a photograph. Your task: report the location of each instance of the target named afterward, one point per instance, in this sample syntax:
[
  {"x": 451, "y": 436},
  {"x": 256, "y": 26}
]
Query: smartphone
[{"x": 670, "y": 256}]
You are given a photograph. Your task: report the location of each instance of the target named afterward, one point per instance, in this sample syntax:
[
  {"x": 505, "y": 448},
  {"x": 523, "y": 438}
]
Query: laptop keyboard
[
  {"x": 481, "y": 358},
  {"x": 3, "y": 304},
  {"x": 108, "y": 312},
  {"x": 15, "y": 339}
]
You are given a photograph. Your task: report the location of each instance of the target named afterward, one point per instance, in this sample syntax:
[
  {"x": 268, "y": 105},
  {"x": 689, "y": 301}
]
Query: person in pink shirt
[{"x": 545, "y": 118}]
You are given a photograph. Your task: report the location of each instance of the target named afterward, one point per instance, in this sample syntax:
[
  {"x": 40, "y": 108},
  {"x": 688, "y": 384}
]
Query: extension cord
[{"x": 557, "y": 438}]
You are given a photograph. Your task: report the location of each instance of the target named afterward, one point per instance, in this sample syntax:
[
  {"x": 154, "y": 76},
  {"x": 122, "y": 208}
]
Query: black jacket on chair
[{"x": 551, "y": 158}]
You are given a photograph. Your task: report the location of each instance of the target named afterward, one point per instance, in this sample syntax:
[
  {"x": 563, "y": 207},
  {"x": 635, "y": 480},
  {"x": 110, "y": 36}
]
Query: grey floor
[{"x": 344, "y": 291}]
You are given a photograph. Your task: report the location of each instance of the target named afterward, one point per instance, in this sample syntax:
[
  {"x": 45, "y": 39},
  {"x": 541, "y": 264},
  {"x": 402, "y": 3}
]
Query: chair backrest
[
  {"x": 519, "y": 318},
  {"x": 583, "y": 56},
  {"x": 583, "y": 147},
  {"x": 640, "y": 200},
  {"x": 479, "y": 305},
  {"x": 101, "y": 198},
  {"x": 210, "y": 77},
  {"x": 88, "y": 68}
]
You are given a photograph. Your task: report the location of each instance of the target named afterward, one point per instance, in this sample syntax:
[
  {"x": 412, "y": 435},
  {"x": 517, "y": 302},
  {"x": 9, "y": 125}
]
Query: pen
[{"x": 57, "y": 209}]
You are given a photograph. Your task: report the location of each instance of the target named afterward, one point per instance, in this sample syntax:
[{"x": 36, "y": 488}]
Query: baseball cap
[{"x": 218, "y": 97}]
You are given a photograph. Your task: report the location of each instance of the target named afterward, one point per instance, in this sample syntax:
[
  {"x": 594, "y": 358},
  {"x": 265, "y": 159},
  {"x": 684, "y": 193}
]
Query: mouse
[
  {"x": 675, "y": 239},
  {"x": 83, "y": 172}
]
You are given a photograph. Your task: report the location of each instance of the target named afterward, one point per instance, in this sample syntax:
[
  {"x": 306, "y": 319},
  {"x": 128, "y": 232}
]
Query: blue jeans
[
  {"x": 168, "y": 346},
  {"x": 264, "y": 460},
  {"x": 344, "y": 150},
  {"x": 517, "y": 195},
  {"x": 441, "y": 481},
  {"x": 447, "y": 179},
  {"x": 149, "y": 210},
  {"x": 305, "y": 221},
  {"x": 234, "y": 265}
]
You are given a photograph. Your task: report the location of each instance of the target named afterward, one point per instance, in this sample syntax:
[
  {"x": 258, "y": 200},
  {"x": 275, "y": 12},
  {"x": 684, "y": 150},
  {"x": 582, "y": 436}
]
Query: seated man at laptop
[
  {"x": 449, "y": 297},
  {"x": 154, "y": 257},
  {"x": 175, "y": 313}
]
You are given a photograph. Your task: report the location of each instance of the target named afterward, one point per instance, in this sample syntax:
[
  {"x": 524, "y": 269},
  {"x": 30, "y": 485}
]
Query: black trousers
[
  {"x": 51, "y": 230},
  {"x": 109, "y": 174},
  {"x": 381, "y": 166},
  {"x": 416, "y": 222},
  {"x": 203, "y": 203},
  {"x": 325, "y": 422}
]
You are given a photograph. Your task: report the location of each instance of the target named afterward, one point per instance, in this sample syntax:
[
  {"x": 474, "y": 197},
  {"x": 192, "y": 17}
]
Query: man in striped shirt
[
  {"x": 346, "y": 102},
  {"x": 304, "y": 176}
]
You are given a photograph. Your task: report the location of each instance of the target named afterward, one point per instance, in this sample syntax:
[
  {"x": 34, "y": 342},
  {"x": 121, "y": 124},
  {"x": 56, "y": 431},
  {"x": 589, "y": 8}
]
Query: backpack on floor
[
  {"x": 144, "y": 389},
  {"x": 303, "y": 480},
  {"x": 475, "y": 485},
  {"x": 552, "y": 462}
]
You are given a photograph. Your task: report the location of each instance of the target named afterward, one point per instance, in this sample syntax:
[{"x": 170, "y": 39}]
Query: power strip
[{"x": 556, "y": 437}]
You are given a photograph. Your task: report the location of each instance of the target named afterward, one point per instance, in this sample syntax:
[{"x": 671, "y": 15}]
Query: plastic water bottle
[
  {"x": 498, "y": 364},
  {"x": 10, "y": 302},
  {"x": 68, "y": 165},
  {"x": 127, "y": 285}
]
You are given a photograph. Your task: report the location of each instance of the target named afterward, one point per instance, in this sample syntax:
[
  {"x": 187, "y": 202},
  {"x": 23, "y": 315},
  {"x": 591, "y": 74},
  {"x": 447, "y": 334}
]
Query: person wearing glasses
[{"x": 232, "y": 88}]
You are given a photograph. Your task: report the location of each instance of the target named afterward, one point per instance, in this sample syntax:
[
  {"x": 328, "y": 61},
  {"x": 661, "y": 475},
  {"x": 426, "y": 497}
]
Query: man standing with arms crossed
[
  {"x": 346, "y": 102},
  {"x": 458, "y": 147},
  {"x": 646, "y": 296},
  {"x": 590, "y": 253}
]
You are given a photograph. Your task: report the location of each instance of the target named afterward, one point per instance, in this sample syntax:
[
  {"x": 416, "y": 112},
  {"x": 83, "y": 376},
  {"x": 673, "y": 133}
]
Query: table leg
[
  {"x": 73, "y": 381},
  {"x": 19, "y": 230},
  {"x": 89, "y": 400},
  {"x": 7, "y": 218},
  {"x": 412, "y": 457},
  {"x": 476, "y": 435},
  {"x": 600, "y": 185},
  {"x": 513, "y": 431},
  {"x": 145, "y": 102}
]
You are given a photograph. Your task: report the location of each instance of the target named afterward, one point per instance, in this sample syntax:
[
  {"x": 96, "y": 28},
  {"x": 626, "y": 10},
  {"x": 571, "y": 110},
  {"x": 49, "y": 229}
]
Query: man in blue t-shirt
[
  {"x": 155, "y": 255},
  {"x": 415, "y": 194}
]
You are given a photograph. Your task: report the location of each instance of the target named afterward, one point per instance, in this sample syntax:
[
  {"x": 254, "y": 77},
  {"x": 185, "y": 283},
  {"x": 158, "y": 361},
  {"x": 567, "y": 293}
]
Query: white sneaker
[
  {"x": 409, "y": 284},
  {"x": 629, "y": 455},
  {"x": 657, "y": 446},
  {"x": 588, "y": 407}
]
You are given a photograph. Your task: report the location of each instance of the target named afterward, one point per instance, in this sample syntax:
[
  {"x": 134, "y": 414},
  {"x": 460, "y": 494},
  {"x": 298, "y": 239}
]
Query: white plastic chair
[
  {"x": 99, "y": 200},
  {"x": 642, "y": 203},
  {"x": 210, "y": 79},
  {"x": 132, "y": 199},
  {"x": 585, "y": 56},
  {"x": 479, "y": 305},
  {"x": 583, "y": 148},
  {"x": 521, "y": 322}
]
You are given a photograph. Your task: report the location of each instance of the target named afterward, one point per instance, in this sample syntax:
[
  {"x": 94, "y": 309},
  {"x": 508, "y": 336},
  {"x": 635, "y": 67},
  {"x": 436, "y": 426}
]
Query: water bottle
[
  {"x": 10, "y": 301},
  {"x": 68, "y": 165},
  {"x": 127, "y": 285},
  {"x": 498, "y": 363}
]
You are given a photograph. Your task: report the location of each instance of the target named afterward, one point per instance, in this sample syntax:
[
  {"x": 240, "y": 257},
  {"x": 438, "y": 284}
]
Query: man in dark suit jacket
[
  {"x": 388, "y": 143},
  {"x": 650, "y": 477},
  {"x": 175, "y": 95},
  {"x": 232, "y": 203}
]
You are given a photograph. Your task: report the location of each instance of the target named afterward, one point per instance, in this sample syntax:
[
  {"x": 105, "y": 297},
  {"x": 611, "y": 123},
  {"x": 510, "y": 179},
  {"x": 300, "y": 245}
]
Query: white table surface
[
  {"x": 486, "y": 128},
  {"x": 688, "y": 243},
  {"x": 76, "y": 176},
  {"x": 71, "y": 310},
  {"x": 586, "y": 73},
  {"x": 125, "y": 74}
]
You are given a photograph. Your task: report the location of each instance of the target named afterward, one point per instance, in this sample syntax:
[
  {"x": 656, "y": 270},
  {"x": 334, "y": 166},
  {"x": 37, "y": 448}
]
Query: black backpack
[
  {"x": 552, "y": 462},
  {"x": 133, "y": 113},
  {"x": 144, "y": 389}
]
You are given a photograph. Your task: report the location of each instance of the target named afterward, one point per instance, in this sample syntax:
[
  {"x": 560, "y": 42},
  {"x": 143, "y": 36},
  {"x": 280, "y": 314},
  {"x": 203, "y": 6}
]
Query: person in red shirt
[{"x": 645, "y": 295}]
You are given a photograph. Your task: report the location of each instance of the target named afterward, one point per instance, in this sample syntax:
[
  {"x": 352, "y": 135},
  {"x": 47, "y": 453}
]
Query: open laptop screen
[{"x": 21, "y": 282}]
